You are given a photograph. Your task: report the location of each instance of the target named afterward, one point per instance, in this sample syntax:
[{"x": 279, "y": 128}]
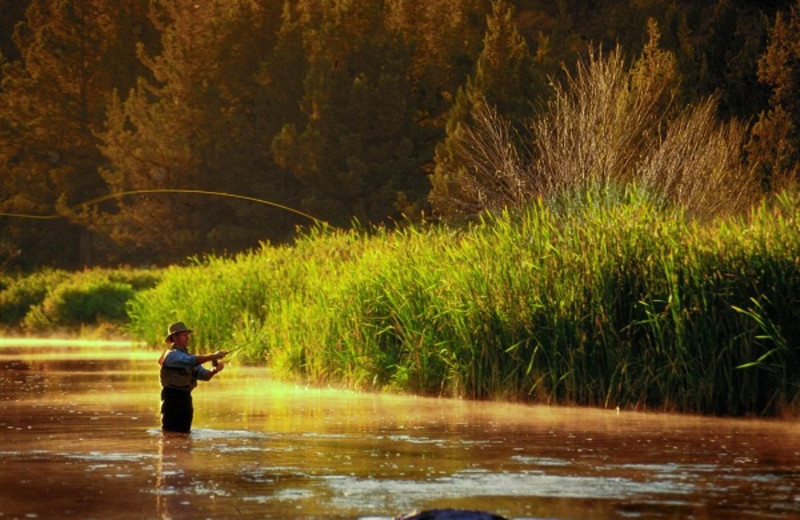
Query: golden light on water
[
  {"x": 98, "y": 355},
  {"x": 67, "y": 342},
  {"x": 83, "y": 416},
  {"x": 54, "y": 349}
]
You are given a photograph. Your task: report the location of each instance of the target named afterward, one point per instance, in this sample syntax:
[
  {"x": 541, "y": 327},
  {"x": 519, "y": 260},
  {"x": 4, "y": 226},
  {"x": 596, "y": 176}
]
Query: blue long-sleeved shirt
[{"x": 176, "y": 360}]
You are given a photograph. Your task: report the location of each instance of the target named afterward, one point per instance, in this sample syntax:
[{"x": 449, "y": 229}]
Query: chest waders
[{"x": 176, "y": 399}]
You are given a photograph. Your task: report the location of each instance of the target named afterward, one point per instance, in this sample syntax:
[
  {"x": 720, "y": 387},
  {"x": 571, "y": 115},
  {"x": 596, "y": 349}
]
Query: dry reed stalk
[
  {"x": 597, "y": 127},
  {"x": 699, "y": 165},
  {"x": 495, "y": 177},
  {"x": 606, "y": 126}
]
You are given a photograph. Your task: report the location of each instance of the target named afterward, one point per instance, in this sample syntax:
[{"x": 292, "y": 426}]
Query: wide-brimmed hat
[{"x": 176, "y": 328}]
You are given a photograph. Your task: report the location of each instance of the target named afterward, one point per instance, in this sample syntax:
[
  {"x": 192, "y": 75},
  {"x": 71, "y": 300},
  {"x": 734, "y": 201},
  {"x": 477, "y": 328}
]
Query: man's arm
[{"x": 210, "y": 357}]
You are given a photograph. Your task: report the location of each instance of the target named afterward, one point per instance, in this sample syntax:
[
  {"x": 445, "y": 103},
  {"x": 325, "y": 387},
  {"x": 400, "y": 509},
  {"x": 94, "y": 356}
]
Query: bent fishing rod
[
  {"x": 229, "y": 354},
  {"x": 122, "y": 194}
]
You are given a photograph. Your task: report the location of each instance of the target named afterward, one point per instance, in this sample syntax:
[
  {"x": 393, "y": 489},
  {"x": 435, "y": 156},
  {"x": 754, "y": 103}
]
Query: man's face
[{"x": 181, "y": 339}]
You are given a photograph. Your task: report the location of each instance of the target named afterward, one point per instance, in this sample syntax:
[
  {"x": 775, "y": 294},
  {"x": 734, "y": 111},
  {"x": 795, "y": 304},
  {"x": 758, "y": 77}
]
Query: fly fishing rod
[
  {"x": 229, "y": 354},
  {"x": 122, "y": 194}
]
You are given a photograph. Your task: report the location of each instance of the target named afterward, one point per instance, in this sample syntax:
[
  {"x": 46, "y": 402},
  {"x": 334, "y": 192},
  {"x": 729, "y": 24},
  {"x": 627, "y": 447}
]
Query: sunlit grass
[{"x": 610, "y": 302}]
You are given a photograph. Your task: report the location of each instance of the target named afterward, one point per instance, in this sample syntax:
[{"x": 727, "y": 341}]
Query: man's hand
[
  {"x": 218, "y": 368},
  {"x": 211, "y": 357}
]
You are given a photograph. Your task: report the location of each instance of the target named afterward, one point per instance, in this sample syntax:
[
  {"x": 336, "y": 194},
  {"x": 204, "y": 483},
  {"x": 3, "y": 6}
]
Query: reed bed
[{"x": 614, "y": 303}]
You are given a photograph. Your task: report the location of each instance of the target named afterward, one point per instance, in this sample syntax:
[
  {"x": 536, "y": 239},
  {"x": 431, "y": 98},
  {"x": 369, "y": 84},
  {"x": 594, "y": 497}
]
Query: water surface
[{"x": 80, "y": 439}]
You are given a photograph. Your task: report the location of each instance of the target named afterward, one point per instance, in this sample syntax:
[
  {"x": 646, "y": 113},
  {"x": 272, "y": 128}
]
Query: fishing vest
[{"x": 179, "y": 378}]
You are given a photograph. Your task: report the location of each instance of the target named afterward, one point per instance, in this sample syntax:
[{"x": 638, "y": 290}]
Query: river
[{"x": 80, "y": 439}]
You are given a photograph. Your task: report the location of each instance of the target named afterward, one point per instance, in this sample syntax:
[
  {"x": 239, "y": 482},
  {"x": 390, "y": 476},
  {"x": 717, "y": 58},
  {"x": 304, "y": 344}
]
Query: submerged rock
[{"x": 450, "y": 514}]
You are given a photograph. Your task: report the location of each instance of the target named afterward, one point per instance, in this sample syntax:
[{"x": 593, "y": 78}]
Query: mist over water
[{"x": 79, "y": 437}]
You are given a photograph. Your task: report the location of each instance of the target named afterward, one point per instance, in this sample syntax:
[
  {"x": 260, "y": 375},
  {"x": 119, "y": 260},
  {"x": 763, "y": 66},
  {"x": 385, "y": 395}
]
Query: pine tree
[
  {"x": 357, "y": 152},
  {"x": 655, "y": 75},
  {"x": 774, "y": 145},
  {"x": 195, "y": 126},
  {"x": 444, "y": 39},
  {"x": 72, "y": 55},
  {"x": 504, "y": 81}
]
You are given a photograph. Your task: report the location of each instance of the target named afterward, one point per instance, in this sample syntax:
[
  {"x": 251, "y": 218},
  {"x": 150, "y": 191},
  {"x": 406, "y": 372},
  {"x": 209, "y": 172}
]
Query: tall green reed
[{"x": 613, "y": 302}]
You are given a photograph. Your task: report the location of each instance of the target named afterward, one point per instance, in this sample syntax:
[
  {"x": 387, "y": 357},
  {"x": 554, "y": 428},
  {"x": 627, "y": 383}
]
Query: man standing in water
[{"x": 180, "y": 372}]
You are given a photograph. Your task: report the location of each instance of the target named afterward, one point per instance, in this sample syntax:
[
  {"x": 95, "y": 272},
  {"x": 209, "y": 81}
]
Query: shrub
[
  {"x": 606, "y": 125},
  {"x": 23, "y": 292},
  {"x": 82, "y": 302},
  {"x": 63, "y": 299}
]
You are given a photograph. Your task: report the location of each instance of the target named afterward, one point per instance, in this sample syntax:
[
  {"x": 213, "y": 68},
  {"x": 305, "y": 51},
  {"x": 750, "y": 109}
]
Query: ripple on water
[
  {"x": 540, "y": 461},
  {"x": 97, "y": 458},
  {"x": 100, "y": 457},
  {"x": 210, "y": 434},
  {"x": 361, "y": 492}
]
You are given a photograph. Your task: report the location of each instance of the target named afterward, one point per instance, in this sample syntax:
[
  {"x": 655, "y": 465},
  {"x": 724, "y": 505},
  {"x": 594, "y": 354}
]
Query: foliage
[
  {"x": 606, "y": 125},
  {"x": 337, "y": 109},
  {"x": 83, "y": 303},
  {"x": 52, "y": 104},
  {"x": 618, "y": 264},
  {"x": 775, "y": 143},
  {"x": 616, "y": 304},
  {"x": 191, "y": 127},
  {"x": 57, "y": 299},
  {"x": 504, "y": 78},
  {"x": 20, "y": 293},
  {"x": 358, "y": 150}
]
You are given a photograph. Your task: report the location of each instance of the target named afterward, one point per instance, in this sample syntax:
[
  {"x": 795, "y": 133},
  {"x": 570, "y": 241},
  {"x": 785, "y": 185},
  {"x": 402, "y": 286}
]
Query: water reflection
[
  {"x": 173, "y": 480},
  {"x": 85, "y": 443}
]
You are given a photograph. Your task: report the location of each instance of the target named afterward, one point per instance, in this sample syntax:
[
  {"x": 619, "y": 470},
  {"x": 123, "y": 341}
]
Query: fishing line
[{"x": 98, "y": 200}]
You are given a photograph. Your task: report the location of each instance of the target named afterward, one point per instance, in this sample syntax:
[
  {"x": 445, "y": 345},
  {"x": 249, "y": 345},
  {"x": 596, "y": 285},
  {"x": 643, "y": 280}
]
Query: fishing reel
[{"x": 215, "y": 362}]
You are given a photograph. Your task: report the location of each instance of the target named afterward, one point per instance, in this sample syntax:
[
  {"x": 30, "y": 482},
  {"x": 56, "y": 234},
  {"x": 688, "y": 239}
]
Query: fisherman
[{"x": 180, "y": 372}]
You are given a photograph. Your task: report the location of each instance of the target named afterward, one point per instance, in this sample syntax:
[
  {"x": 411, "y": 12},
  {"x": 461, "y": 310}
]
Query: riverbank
[{"x": 615, "y": 303}]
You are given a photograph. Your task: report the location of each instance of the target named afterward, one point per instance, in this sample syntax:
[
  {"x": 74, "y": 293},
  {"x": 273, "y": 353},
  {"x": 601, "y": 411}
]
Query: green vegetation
[
  {"x": 610, "y": 233},
  {"x": 351, "y": 110},
  {"x": 602, "y": 298},
  {"x": 617, "y": 304},
  {"x": 54, "y": 301},
  {"x": 21, "y": 293}
]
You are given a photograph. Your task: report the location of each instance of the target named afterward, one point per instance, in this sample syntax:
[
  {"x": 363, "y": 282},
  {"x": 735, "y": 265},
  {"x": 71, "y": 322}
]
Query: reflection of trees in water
[
  {"x": 14, "y": 364},
  {"x": 29, "y": 374},
  {"x": 84, "y": 365},
  {"x": 173, "y": 477},
  {"x": 18, "y": 380}
]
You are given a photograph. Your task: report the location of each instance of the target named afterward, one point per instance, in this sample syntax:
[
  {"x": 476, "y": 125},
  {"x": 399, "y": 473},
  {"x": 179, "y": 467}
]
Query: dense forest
[{"x": 144, "y": 131}]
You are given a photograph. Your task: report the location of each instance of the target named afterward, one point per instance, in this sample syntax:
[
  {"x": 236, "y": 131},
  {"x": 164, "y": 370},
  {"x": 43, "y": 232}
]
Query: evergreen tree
[
  {"x": 196, "y": 126},
  {"x": 774, "y": 146},
  {"x": 656, "y": 75},
  {"x": 51, "y": 104},
  {"x": 504, "y": 80},
  {"x": 357, "y": 154},
  {"x": 282, "y": 73},
  {"x": 337, "y": 108},
  {"x": 444, "y": 38}
]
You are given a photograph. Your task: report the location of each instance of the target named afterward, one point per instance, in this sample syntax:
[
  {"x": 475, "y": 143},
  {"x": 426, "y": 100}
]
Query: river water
[{"x": 79, "y": 438}]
